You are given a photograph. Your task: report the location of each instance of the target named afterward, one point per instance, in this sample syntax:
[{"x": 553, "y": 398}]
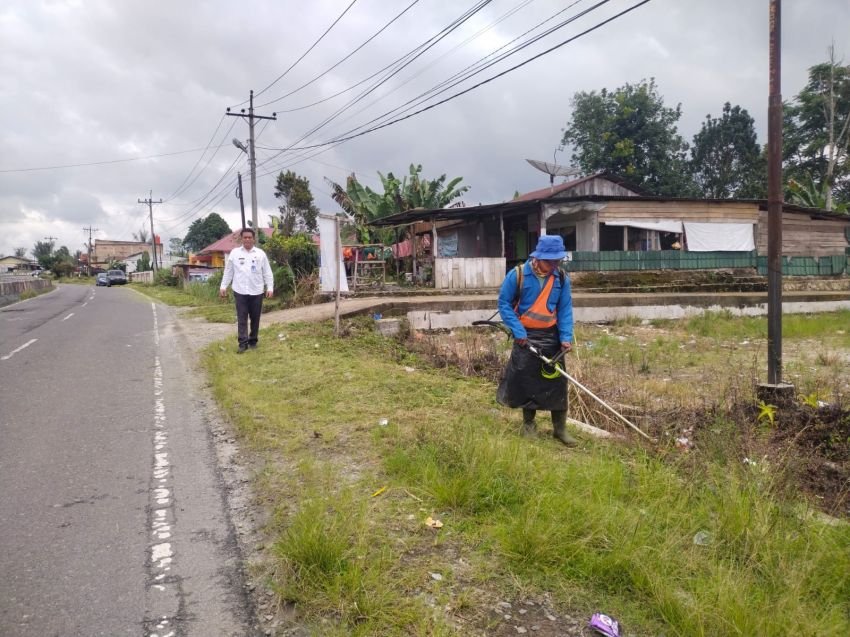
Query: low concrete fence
[
  {"x": 141, "y": 277},
  {"x": 11, "y": 287}
]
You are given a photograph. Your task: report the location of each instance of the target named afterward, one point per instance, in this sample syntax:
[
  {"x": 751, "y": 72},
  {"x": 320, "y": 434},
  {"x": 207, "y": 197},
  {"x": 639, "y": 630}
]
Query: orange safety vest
[{"x": 538, "y": 316}]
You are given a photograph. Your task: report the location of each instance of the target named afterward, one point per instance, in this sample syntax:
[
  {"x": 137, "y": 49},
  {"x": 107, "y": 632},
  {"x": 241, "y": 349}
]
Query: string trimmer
[{"x": 554, "y": 363}]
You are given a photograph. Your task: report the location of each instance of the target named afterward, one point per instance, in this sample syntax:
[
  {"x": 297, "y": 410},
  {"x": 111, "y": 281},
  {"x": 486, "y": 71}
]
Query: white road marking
[
  {"x": 15, "y": 351},
  {"x": 69, "y": 316},
  {"x": 84, "y": 304},
  {"x": 161, "y": 496}
]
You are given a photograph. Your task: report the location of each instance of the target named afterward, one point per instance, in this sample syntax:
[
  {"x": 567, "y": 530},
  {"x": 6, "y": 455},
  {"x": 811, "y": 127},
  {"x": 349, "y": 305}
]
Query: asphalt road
[{"x": 112, "y": 512}]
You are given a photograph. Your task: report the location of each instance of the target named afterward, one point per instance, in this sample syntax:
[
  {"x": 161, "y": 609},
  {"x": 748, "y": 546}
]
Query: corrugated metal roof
[{"x": 227, "y": 243}]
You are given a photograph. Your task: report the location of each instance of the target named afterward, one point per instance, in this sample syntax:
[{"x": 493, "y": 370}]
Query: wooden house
[{"x": 608, "y": 224}]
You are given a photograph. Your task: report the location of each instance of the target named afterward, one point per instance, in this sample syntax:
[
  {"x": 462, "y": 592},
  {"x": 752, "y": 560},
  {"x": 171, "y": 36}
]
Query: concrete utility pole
[
  {"x": 252, "y": 157},
  {"x": 241, "y": 198},
  {"x": 150, "y": 202},
  {"x": 90, "y": 230},
  {"x": 774, "y": 200}
]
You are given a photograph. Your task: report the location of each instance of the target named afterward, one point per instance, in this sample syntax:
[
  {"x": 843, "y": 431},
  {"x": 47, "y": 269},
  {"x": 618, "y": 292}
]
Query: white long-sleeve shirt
[{"x": 249, "y": 271}]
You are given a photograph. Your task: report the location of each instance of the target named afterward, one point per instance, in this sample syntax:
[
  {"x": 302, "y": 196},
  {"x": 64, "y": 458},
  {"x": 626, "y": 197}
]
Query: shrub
[
  {"x": 297, "y": 251},
  {"x": 163, "y": 276},
  {"x": 284, "y": 280}
]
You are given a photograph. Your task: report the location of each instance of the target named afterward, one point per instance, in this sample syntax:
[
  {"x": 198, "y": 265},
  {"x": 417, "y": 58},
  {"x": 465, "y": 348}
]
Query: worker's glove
[{"x": 522, "y": 342}]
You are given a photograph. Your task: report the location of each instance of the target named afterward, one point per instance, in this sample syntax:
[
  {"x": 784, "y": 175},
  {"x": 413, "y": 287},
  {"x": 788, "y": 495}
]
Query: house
[
  {"x": 11, "y": 264},
  {"x": 215, "y": 254},
  {"x": 105, "y": 251},
  {"x": 608, "y": 224}
]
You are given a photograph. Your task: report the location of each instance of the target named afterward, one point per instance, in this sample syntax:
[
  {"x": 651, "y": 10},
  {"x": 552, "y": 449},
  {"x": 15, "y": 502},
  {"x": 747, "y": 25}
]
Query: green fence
[{"x": 678, "y": 260}]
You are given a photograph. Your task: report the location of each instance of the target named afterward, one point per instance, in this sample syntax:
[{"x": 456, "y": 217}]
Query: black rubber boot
[
  {"x": 559, "y": 429},
  {"x": 529, "y": 427}
]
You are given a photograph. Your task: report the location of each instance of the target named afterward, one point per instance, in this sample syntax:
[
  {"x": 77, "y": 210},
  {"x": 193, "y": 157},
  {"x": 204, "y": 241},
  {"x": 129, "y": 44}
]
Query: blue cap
[{"x": 550, "y": 247}]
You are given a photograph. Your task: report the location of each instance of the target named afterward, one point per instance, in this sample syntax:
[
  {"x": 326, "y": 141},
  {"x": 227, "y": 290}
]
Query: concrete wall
[{"x": 11, "y": 288}]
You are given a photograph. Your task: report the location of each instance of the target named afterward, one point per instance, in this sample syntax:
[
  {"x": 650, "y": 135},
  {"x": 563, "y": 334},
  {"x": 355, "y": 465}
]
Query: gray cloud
[{"x": 96, "y": 80}]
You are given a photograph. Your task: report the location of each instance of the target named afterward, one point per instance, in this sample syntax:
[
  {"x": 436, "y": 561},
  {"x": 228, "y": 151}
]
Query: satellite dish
[{"x": 554, "y": 170}]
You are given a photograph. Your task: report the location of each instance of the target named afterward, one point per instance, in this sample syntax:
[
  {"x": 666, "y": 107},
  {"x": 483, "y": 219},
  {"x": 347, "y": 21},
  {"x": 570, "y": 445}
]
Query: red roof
[{"x": 226, "y": 244}]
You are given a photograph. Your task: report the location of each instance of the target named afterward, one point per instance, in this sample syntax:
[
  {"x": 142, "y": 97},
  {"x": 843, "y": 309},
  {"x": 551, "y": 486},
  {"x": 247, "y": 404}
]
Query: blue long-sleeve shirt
[{"x": 560, "y": 299}]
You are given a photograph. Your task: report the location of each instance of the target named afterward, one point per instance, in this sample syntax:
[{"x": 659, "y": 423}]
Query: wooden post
[
  {"x": 413, "y": 249},
  {"x": 337, "y": 259},
  {"x": 502, "y": 228},
  {"x": 434, "y": 250}
]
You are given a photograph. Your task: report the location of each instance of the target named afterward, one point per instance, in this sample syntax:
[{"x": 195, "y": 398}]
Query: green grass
[
  {"x": 605, "y": 526},
  {"x": 724, "y": 325},
  {"x": 202, "y": 298},
  {"x": 34, "y": 292}
]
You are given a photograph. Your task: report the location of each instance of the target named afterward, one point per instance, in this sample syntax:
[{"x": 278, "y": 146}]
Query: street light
[{"x": 240, "y": 145}]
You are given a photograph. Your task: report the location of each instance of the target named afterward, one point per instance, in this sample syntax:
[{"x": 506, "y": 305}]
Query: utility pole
[
  {"x": 252, "y": 157},
  {"x": 150, "y": 202},
  {"x": 775, "y": 388},
  {"x": 90, "y": 230},
  {"x": 241, "y": 199}
]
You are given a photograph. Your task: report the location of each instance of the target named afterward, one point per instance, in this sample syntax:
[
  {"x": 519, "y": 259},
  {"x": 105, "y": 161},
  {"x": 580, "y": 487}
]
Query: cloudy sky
[{"x": 86, "y": 81}]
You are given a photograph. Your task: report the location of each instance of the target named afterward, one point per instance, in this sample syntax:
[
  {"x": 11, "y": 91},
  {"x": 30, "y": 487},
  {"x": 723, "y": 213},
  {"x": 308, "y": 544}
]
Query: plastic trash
[
  {"x": 604, "y": 625},
  {"x": 702, "y": 538},
  {"x": 383, "y": 422}
]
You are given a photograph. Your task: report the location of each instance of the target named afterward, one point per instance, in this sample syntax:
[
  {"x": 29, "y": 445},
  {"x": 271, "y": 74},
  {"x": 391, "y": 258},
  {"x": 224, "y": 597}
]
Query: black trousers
[{"x": 248, "y": 306}]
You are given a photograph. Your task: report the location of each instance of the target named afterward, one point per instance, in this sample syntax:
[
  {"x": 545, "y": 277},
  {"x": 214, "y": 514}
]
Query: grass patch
[
  {"x": 34, "y": 292},
  {"x": 202, "y": 298},
  {"x": 605, "y": 526}
]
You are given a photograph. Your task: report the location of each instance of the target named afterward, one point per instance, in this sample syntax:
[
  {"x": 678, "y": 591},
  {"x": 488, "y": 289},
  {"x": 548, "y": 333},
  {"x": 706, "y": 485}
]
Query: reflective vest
[{"x": 538, "y": 316}]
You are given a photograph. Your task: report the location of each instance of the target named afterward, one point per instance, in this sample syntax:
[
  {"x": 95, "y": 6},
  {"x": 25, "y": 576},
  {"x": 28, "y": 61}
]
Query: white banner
[
  {"x": 719, "y": 237},
  {"x": 662, "y": 225},
  {"x": 327, "y": 245}
]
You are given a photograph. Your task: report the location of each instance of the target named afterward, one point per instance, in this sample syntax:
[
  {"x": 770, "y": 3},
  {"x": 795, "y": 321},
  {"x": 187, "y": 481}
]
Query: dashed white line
[
  {"x": 84, "y": 304},
  {"x": 69, "y": 316},
  {"x": 15, "y": 351}
]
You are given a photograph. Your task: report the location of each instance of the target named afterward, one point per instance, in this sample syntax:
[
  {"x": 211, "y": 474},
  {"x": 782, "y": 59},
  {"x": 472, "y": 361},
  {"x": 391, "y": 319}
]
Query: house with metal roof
[{"x": 608, "y": 224}]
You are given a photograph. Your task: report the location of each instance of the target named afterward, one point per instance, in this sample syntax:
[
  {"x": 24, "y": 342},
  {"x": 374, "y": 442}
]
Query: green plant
[
  {"x": 767, "y": 413},
  {"x": 810, "y": 400},
  {"x": 163, "y": 276},
  {"x": 296, "y": 251}
]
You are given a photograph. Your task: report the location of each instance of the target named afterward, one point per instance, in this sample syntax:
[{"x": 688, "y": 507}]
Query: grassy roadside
[
  {"x": 712, "y": 548},
  {"x": 202, "y": 299}
]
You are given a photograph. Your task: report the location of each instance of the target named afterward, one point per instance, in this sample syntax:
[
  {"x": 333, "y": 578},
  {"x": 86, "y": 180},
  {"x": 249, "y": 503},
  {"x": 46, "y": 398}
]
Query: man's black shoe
[
  {"x": 242, "y": 349},
  {"x": 252, "y": 345}
]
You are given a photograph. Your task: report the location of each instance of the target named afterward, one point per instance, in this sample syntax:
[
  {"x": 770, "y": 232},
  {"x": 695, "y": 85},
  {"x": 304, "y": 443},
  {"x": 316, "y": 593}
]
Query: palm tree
[{"x": 141, "y": 236}]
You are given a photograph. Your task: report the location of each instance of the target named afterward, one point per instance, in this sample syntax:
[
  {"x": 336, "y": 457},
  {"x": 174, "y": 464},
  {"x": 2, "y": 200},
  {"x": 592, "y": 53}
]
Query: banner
[
  {"x": 719, "y": 237},
  {"x": 327, "y": 245}
]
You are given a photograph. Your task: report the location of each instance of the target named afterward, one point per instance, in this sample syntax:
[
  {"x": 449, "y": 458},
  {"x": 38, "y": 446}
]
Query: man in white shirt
[{"x": 248, "y": 268}]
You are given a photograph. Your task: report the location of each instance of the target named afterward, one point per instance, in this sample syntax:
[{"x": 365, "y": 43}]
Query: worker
[{"x": 535, "y": 303}]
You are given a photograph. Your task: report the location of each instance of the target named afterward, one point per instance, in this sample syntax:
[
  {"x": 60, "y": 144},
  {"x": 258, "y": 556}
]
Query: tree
[
  {"x": 142, "y": 235},
  {"x": 630, "y": 132},
  {"x": 726, "y": 160},
  {"x": 144, "y": 263},
  {"x": 202, "y": 232},
  {"x": 175, "y": 247},
  {"x": 63, "y": 263},
  {"x": 297, "y": 212},
  {"x": 817, "y": 132},
  {"x": 364, "y": 204},
  {"x": 43, "y": 253},
  {"x": 20, "y": 252}
]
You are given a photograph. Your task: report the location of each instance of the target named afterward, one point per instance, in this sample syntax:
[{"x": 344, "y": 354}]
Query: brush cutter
[{"x": 553, "y": 363}]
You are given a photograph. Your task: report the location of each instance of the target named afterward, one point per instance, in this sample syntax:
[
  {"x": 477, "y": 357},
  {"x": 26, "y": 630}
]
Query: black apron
[{"x": 523, "y": 384}]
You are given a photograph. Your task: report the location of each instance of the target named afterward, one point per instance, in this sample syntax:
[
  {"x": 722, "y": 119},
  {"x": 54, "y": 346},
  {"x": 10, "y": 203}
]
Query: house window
[
  {"x": 610, "y": 238},
  {"x": 640, "y": 240},
  {"x": 568, "y": 234}
]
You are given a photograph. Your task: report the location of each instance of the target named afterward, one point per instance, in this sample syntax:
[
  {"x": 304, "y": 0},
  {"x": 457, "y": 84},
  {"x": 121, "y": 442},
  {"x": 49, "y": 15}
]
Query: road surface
[{"x": 113, "y": 519}]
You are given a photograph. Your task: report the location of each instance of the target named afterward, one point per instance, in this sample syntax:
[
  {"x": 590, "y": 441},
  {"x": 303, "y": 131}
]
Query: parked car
[
  {"x": 102, "y": 279},
  {"x": 116, "y": 277}
]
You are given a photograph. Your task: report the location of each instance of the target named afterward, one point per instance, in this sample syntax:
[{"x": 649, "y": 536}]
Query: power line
[
  {"x": 457, "y": 22},
  {"x": 472, "y": 88},
  {"x": 331, "y": 68},
  {"x": 183, "y": 185},
  {"x": 99, "y": 163},
  {"x": 303, "y": 55}
]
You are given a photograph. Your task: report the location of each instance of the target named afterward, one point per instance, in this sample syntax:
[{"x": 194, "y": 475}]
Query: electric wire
[
  {"x": 183, "y": 188},
  {"x": 456, "y": 23},
  {"x": 98, "y": 163},
  {"x": 331, "y": 68},
  {"x": 561, "y": 44},
  {"x": 403, "y": 57},
  {"x": 303, "y": 55}
]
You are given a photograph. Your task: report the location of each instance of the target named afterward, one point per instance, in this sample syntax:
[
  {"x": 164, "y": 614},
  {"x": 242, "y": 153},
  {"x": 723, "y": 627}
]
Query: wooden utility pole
[
  {"x": 337, "y": 259},
  {"x": 252, "y": 157},
  {"x": 150, "y": 202},
  {"x": 774, "y": 200}
]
